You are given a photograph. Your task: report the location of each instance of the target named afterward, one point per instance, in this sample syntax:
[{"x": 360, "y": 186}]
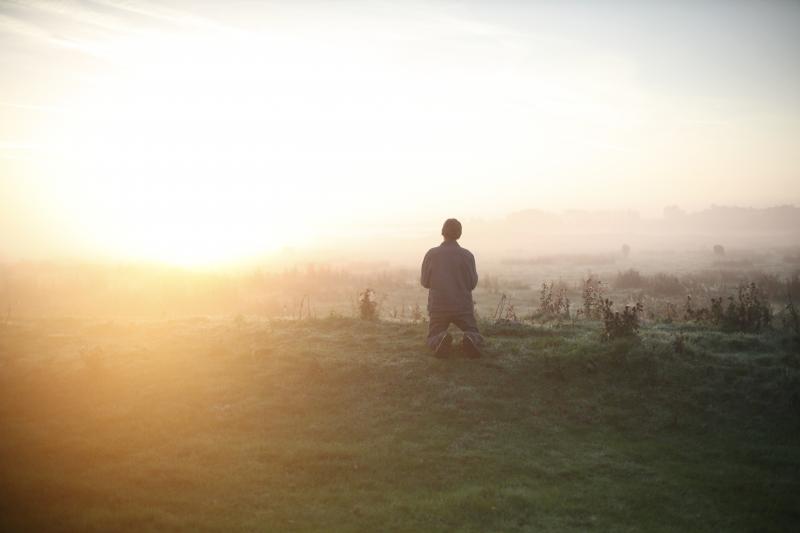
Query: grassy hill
[{"x": 342, "y": 425}]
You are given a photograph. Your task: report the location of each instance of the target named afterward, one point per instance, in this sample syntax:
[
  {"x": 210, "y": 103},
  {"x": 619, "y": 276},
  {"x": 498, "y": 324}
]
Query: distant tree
[
  {"x": 719, "y": 250},
  {"x": 626, "y": 250}
]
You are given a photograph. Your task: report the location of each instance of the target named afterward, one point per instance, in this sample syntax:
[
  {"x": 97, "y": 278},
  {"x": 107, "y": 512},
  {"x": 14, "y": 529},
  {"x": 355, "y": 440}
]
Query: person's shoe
[
  {"x": 469, "y": 348},
  {"x": 443, "y": 348}
]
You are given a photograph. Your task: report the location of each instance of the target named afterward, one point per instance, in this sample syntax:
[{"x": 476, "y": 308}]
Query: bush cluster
[
  {"x": 618, "y": 324},
  {"x": 748, "y": 311}
]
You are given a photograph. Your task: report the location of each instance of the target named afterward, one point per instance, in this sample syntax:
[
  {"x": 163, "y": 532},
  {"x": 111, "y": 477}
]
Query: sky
[{"x": 198, "y": 132}]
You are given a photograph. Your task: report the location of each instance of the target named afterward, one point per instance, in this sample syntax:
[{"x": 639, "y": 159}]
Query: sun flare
[
  {"x": 192, "y": 158},
  {"x": 159, "y": 136},
  {"x": 212, "y": 145}
]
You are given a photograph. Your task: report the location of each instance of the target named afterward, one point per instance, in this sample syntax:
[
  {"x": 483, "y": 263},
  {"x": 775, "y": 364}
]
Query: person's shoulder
[
  {"x": 432, "y": 251},
  {"x": 466, "y": 252}
]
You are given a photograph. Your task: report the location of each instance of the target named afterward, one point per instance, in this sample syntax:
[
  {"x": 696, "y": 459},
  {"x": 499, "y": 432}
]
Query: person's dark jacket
[{"x": 449, "y": 272}]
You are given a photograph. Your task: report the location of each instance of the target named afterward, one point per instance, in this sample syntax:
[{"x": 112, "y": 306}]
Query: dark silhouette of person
[{"x": 449, "y": 274}]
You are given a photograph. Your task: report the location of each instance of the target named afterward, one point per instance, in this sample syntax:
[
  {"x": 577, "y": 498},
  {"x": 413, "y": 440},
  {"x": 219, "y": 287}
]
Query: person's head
[{"x": 451, "y": 230}]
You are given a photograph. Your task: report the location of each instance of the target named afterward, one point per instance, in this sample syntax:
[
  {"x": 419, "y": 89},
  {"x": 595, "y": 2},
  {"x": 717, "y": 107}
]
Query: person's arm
[
  {"x": 425, "y": 275},
  {"x": 473, "y": 272}
]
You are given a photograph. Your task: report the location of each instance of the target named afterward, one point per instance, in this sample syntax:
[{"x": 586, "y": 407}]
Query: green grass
[{"x": 343, "y": 425}]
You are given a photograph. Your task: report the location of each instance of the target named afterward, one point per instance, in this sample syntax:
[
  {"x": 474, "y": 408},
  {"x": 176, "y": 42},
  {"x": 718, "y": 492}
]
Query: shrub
[
  {"x": 747, "y": 311},
  {"x": 501, "y": 305},
  {"x": 593, "y": 293},
  {"x": 510, "y": 315},
  {"x": 553, "y": 300},
  {"x": 707, "y": 315},
  {"x": 367, "y": 305},
  {"x": 505, "y": 310},
  {"x": 623, "y": 324}
]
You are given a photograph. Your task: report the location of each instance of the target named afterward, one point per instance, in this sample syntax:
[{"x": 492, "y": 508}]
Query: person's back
[
  {"x": 449, "y": 274},
  {"x": 448, "y": 271}
]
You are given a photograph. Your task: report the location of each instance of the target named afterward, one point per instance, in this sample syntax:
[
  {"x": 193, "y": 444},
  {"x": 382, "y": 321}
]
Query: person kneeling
[{"x": 449, "y": 274}]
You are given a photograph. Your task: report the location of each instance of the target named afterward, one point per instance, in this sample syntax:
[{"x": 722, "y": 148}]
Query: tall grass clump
[
  {"x": 367, "y": 305},
  {"x": 593, "y": 294},
  {"x": 553, "y": 301}
]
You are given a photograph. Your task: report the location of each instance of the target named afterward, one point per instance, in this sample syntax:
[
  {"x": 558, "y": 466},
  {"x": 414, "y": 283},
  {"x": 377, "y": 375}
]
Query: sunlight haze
[
  {"x": 403, "y": 266},
  {"x": 194, "y": 133}
]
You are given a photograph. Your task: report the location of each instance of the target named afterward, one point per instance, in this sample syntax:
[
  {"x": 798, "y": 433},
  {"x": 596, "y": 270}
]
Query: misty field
[
  {"x": 340, "y": 424},
  {"x": 217, "y": 220}
]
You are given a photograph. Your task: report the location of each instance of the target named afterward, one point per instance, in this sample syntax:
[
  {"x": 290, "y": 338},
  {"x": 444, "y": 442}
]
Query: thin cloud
[
  {"x": 159, "y": 12},
  {"x": 41, "y": 35},
  {"x": 75, "y": 12}
]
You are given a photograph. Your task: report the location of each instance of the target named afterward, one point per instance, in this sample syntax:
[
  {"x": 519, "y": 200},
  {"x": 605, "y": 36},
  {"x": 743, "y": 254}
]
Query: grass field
[{"x": 341, "y": 425}]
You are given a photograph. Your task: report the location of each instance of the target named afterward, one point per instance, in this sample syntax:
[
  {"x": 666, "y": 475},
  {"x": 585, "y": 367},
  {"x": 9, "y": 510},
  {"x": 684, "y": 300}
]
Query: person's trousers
[{"x": 440, "y": 321}]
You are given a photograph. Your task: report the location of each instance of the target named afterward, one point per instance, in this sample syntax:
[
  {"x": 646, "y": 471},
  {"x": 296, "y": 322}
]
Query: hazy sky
[{"x": 200, "y": 131}]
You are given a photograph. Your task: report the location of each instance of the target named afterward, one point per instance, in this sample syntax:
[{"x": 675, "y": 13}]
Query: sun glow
[
  {"x": 206, "y": 149},
  {"x": 186, "y": 152},
  {"x": 200, "y": 148},
  {"x": 209, "y": 135},
  {"x": 210, "y": 145}
]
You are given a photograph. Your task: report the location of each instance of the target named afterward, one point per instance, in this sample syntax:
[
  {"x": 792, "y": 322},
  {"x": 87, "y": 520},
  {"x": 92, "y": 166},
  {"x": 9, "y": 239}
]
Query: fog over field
[
  {"x": 430, "y": 265},
  {"x": 534, "y": 233}
]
